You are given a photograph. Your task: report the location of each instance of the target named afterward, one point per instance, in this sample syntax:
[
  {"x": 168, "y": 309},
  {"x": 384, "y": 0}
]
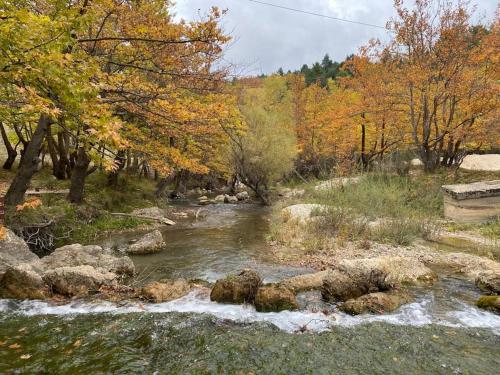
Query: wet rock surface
[
  {"x": 342, "y": 285},
  {"x": 239, "y": 288},
  {"x": 490, "y": 303},
  {"x": 275, "y": 298},
  {"x": 73, "y": 270},
  {"x": 165, "y": 291},
  {"x": 374, "y": 303}
]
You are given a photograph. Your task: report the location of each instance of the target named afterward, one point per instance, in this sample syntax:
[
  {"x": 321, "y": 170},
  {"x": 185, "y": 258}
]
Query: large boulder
[
  {"x": 491, "y": 303},
  {"x": 91, "y": 255},
  {"x": 14, "y": 251},
  {"x": 306, "y": 282},
  {"x": 148, "y": 244},
  {"x": 276, "y": 298},
  {"x": 375, "y": 303},
  {"x": 78, "y": 281},
  {"x": 165, "y": 291},
  {"x": 239, "y": 288},
  {"x": 22, "y": 281},
  {"x": 489, "y": 282},
  {"x": 342, "y": 285}
]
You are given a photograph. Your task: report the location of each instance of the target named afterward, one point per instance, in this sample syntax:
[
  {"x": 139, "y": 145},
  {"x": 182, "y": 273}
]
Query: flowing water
[{"x": 440, "y": 333}]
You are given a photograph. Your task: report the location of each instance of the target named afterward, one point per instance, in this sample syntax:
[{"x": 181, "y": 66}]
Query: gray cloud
[{"x": 267, "y": 38}]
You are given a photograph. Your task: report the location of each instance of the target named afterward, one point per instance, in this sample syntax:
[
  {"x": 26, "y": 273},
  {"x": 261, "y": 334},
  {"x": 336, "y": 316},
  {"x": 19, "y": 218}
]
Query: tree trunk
[
  {"x": 161, "y": 186},
  {"x": 120, "y": 163},
  {"x": 28, "y": 166},
  {"x": 11, "y": 151},
  {"x": 78, "y": 176}
]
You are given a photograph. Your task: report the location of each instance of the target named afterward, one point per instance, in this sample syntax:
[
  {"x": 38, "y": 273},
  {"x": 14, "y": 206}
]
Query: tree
[
  {"x": 264, "y": 153},
  {"x": 447, "y": 79}
]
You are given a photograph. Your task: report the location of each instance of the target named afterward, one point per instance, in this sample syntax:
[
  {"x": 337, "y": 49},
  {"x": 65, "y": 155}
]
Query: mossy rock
[
  {"x": 491, "y": 303},
  {"x": 237, "y": 288},
  {"x": 275, "y": 298}
]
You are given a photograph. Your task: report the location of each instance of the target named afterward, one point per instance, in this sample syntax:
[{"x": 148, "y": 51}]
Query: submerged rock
[
  {"x": 148, "y": 244},
  {"x": 275, "y": 298},
  {"x": 491, "y": 303},
  {"x": 22, "y": 282},
  {"x": 14, "y": 251},
  {"x": 78, "y": 281},
  {"x": 375, "y": 303},
  {"x": 342, "y": 285},
  {"x": 489, "y": 282},
  {"x": 165, "y": 291},
  {"x": 239, "y": 288}
]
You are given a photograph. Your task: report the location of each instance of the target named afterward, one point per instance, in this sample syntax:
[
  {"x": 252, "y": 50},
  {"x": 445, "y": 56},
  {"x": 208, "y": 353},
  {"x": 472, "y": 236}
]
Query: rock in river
[
  {"x": 275, "y": 298},
  {"x": 14, "y": 251},
  {"x": 91, "y": 255},
  {"x": 375, "y": 303},
  {"x": 491, "y": 303},
  {"x": 148, "y": 244},
  {"x": 342, "y": 285},
  {"x": 165, "y": 291},
  {"x": 489, "y": 282},
  {"x": 22, "y": 282},
  {"x": 239, "y": 288},
  {"x": 242, "y": 196},
  {"x": 78, "y": 281}
]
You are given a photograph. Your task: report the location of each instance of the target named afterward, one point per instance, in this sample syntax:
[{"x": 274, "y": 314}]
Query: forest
[{"x": 161, "y": 213}]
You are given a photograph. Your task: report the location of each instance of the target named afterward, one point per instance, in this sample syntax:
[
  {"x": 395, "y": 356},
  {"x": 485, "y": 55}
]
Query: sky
[{"x": 267, "y": 38}]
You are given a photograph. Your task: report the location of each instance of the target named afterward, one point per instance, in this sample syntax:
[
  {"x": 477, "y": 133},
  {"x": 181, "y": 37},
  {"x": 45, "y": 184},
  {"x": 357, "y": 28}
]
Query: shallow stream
[{"x": 440, "y": 333}]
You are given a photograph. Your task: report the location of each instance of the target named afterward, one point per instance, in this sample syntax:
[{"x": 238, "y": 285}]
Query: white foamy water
[{"x": 414, "y": 314}]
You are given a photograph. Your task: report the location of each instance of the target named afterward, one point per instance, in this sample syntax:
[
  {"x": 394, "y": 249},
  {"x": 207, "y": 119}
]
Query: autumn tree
[{"x": 447, "y": 78}]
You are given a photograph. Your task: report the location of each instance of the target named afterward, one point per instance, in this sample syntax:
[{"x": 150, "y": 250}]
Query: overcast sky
[{"x": 267, "y": 38}]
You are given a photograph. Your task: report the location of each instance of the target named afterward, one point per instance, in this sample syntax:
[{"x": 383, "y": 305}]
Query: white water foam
[{"x": 414, "y": 314}]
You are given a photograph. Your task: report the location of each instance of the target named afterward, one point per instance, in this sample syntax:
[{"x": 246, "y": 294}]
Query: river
[{"x": 440, "y": 333}]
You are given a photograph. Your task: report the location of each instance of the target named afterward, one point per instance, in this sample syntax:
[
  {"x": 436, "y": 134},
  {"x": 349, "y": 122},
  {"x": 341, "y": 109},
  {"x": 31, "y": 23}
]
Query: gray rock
[
  {"x": 150, "y": 243},
  {"x": 14, "y": 251},
  {"x": 22, "y": 281},
  {"x": 220, "y": 198},
  {"x": 91, "y": 255},
  {"x": 230, "y": 199},
  {"x": 78, "y": 281},
  {"x": 242, "y": 196}
]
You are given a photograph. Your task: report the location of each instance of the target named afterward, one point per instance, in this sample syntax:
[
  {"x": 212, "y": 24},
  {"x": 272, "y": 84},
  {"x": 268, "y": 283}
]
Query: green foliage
[{"x": 265, "y": 153}]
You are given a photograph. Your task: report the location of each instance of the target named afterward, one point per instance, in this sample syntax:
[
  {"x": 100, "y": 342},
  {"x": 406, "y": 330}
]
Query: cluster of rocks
[
  {"x": 224, "y": 198},
  {"x": 72, "y": 270},
  {"x": 364, "y": 285},
  {"x": 75, "y": 271}
]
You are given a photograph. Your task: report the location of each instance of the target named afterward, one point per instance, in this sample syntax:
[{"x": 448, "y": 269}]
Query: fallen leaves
[
  {"x": 31, "y": 203},
  {"x": 3, "y": 233},
  {"x": 25, "y": 356},
  {"x": 14, "y": 346}
]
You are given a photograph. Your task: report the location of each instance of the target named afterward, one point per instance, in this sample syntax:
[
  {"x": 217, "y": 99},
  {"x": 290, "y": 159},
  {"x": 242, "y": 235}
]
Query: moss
[{"x": 489, "y": 303}]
